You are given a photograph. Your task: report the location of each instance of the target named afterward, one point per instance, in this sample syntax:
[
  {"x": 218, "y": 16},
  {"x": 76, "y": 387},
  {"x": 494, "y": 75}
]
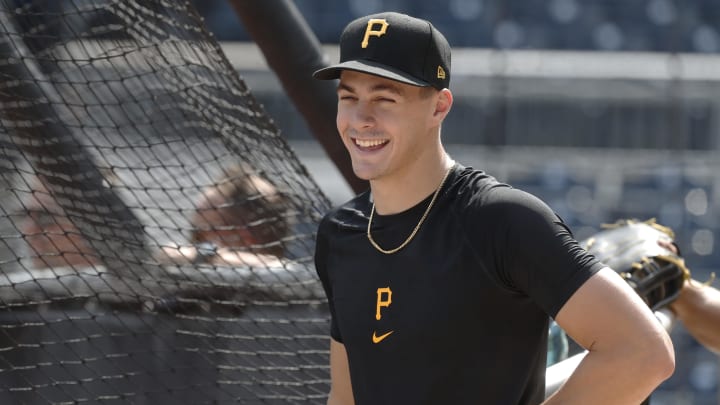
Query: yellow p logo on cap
[{"x": 376, "y": 33}]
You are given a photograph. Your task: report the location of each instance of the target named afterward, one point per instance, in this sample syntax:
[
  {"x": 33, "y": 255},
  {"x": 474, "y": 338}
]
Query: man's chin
[{"x": 364, "y": 173}]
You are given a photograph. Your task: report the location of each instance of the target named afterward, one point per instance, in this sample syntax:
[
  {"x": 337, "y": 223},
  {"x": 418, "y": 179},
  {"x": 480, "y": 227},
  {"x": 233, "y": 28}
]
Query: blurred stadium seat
[{"x": 647, "y": 25}]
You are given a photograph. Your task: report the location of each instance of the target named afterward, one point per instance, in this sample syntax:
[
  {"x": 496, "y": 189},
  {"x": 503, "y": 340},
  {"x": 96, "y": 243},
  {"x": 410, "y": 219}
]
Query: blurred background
[
  {"x": 610, "y": 25},
  {"x": 606, "y": 109}
]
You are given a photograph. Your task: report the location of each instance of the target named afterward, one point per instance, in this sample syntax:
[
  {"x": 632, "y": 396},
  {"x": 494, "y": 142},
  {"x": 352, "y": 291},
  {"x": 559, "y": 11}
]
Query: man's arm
[
  {"x": 629, "y": 352},
  {"x": 340, "y": 388},
  {"x": 698, "y": 308}
]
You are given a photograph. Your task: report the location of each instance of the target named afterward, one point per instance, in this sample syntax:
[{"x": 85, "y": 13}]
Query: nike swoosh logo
[{"x": 378, "y": 339}]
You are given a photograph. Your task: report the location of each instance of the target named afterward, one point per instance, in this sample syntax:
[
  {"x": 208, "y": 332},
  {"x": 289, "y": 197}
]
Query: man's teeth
[{"x": 369, "y": 143}]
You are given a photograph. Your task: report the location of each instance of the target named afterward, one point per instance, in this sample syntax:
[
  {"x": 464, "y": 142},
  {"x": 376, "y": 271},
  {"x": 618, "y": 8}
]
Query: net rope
[{"x": 156, "y": 231}]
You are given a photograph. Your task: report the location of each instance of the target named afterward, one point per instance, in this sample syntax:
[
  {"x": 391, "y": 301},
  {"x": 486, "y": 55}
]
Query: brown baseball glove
[{"x": 644, "y": 253}]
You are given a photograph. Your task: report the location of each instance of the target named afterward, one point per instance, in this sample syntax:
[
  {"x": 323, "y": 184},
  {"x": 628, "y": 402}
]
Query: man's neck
[{"x": 406, "y": 189}]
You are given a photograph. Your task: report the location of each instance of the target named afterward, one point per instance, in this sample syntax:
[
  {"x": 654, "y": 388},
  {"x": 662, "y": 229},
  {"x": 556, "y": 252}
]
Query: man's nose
[{"x": 363, "y": 115}]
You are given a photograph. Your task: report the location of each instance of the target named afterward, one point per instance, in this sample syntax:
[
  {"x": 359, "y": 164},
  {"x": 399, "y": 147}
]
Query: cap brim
[{"x": 370, "y": 67}]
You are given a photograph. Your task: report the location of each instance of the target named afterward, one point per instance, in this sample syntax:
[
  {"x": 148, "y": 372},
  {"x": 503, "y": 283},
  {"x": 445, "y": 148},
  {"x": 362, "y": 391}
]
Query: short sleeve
[
  {"x": 322, "y": 249},
  {"x": 536, "y": 251}
]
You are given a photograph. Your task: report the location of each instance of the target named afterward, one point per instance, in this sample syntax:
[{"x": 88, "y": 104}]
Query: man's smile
[{"x": 370, "y": 144}]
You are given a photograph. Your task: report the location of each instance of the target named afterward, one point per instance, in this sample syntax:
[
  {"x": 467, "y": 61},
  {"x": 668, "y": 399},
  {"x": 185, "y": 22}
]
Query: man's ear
[{"x": 443, "y": 104}]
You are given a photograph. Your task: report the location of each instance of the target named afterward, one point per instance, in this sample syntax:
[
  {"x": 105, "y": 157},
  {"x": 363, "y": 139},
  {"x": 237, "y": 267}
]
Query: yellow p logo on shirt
[
  {"x": 384, "y": 299},
  {"x": 369, "y": 31}
]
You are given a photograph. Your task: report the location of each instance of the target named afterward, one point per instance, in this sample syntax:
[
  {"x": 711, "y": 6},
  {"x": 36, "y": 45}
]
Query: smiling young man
[{"x": 440, "y": 280}]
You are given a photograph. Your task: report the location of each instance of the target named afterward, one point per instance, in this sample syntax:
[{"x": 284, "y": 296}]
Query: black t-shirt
[{"x": 460, "y": 315}]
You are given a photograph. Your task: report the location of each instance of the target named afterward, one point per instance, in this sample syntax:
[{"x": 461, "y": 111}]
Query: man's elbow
[
  {"x": 667, "y": 364},
  {"x": 659, "y": 358}
]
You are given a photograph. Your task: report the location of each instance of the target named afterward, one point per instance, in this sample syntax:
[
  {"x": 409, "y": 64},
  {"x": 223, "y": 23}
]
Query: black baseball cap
[{"x": 394, "y": 46}]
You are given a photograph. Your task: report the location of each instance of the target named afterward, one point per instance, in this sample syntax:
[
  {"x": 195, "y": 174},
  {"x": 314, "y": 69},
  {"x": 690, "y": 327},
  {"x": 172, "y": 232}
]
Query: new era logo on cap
[{"x": 395, "y": 46}]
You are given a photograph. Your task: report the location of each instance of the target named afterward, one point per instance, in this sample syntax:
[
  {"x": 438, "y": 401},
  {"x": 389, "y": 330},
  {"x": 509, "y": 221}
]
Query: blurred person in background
[
  {"x": 241, "y": 225},
  {"x": 695, "y": 304},
  {"x": 52, "y": 238},
  {"x": 240, "y": 220},
  {"x": 698, "y": 308}
]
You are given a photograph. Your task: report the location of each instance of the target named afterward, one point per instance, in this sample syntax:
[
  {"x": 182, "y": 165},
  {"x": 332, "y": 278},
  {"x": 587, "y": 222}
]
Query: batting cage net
[{"x": 156, "y": 231}]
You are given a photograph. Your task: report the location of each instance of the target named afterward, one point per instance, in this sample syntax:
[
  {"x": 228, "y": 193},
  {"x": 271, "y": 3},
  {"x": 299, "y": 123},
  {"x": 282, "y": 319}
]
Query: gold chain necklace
[{"x": 417, "y": 227}]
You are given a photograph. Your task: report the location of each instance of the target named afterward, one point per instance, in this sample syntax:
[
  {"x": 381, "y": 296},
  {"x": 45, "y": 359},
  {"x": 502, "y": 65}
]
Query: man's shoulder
[
  {"x": 476, "y": 189},
  {"x": 469, "y": 179},
  {"x": 485, "y": 189},
  {"x": 353, "y": 213},
  {"x": 479, "y": 195}
]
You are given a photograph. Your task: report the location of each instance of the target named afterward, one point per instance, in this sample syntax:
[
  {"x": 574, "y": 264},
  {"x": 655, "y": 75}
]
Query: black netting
[{"x": 156, "y": 231}]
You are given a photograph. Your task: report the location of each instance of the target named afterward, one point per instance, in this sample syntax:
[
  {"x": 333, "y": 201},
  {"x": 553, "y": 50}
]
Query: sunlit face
[{"x": 386, "y": 126}]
